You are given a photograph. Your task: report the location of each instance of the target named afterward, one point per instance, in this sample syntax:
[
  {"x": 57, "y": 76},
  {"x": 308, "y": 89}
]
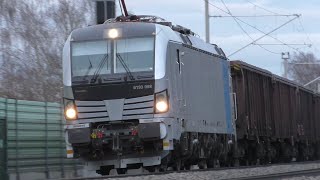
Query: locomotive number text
[{"x": 139, "y": 87}]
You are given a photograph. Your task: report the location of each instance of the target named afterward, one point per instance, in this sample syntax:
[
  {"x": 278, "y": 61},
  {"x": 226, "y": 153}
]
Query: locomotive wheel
[
  {"x": 151, "y": 169},
  {"x": 163, "y": 168},
  {"x": 187, "y": 166},
  {"x": 121, "y": 170},
  {"x": 104, "y": 170},
  {"x": 177, "y": 165}
]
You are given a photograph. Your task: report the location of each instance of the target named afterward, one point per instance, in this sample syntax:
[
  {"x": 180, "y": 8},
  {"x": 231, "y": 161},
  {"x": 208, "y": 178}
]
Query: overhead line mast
[{"x": 207, "y": 22}]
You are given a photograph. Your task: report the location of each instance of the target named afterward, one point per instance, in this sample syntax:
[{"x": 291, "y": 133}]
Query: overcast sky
[{"x": 227, "y": 34}]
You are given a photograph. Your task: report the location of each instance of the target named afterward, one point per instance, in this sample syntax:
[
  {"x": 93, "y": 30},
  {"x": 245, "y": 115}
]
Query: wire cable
[
  {"x": 308, "y": 37},
  {"x": 296, "y": 15},
  {"x": 255, "y": 16},
  {"x": 277, "y": 14},
  {"x": 245, "y": 30},
  {"x": 267, "y": 34},
  {"x": 262, "y": 7}
]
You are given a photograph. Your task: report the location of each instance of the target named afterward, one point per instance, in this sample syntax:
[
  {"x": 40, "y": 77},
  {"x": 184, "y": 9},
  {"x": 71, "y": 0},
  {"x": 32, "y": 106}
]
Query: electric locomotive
[{"x": 140, "y": 91}]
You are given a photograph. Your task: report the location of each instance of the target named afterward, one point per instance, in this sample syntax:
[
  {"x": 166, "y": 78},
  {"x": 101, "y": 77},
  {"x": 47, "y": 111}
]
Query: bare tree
[
  {"x": 303, "y": 68},
  {"x": 32, "y": 37}
]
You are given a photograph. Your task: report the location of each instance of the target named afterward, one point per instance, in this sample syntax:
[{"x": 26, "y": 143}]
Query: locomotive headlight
[
  {"x": 161, "y": 102},
  {"x": 162, "y": 106},
  {"x": 70, "y": 110},
  {"x": 71, "y": 113},
  {"x": 113, "y": 33}
]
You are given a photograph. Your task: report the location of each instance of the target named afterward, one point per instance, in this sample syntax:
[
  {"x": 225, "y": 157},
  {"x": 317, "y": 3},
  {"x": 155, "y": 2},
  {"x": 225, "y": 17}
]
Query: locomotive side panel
[{"x": 206, "y": 93}]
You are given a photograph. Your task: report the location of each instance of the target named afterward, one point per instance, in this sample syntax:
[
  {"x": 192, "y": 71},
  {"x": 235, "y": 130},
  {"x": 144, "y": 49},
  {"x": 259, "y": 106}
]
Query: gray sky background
[{"x": 227, "y": 34}]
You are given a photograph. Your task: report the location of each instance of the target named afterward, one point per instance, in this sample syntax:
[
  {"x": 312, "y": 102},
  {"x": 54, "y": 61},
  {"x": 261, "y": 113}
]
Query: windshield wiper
[
  {"x": 88, "y": 70},
  {"x": 125, "y": 67},
  {"x": 145, "y": 76},
  {"x": 98, "y": 70}
]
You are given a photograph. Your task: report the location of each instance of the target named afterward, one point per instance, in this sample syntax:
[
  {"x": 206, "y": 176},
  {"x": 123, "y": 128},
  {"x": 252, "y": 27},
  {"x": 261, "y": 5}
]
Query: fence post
[
  {"x": 4, "y": 145},
  {"x": 6, "y": 141},
  {"x": 6, "y": 175},
  {"x": 46, "y": 136},
  {"x": 61, "y": 144},
  {"x": 17, "y": 138}
]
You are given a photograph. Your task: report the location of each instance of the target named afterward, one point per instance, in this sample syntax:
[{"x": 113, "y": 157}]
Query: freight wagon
[{"x": 276, "y": 118}]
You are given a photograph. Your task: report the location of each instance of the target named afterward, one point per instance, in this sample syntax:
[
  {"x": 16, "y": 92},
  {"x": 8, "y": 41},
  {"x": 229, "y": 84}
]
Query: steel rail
[
  {"x": 275, "y": 176},
  {"x": 272, "y": 175}
]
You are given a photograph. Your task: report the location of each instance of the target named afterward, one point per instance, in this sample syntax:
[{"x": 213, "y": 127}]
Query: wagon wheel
[
  {"x": 187, "y": 166},
  {"x": 202, "y": 164}
]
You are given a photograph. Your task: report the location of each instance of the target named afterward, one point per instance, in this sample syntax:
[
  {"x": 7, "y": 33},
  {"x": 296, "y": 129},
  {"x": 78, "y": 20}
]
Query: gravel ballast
[{"x": 232, "y": 173}]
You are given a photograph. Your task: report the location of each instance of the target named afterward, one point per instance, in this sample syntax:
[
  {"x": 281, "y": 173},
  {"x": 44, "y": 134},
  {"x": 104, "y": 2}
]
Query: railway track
[{"x": 308, "y": 172}]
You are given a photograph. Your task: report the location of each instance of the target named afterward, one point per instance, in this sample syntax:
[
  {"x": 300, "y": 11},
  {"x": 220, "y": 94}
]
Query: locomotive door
[
  {"x": 183, "y": 68},
  {"x": 186, "y": 79},
  {"x": 176, "y": 55},
  {"x": 180, "y": 61}
]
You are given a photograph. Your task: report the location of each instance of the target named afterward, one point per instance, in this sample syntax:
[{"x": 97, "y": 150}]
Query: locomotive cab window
[
  {"x": 108, "y": 59},
  {"x": 87, "y": 56},
  {"x": 137, "y": 54}
]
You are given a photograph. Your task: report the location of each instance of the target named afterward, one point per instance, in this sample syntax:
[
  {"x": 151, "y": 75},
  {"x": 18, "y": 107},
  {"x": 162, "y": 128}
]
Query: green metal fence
[{"x": 35, "y": 140}]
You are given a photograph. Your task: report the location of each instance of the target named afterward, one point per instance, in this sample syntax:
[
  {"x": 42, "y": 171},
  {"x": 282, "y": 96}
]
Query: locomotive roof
[
  {"x": 97, "y": 32},
  {"x": 140, "y": 26}
]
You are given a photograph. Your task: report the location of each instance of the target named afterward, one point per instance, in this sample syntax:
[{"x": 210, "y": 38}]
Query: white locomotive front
[{"x": 124, "y": 97}]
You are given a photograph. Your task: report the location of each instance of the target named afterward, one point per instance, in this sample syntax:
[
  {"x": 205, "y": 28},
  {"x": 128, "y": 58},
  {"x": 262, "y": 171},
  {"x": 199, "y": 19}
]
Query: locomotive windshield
[{"x": 109, "y": 60}]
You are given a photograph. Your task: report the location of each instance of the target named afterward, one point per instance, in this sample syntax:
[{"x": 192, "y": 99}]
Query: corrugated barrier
[{"x": 35, "y": 141}]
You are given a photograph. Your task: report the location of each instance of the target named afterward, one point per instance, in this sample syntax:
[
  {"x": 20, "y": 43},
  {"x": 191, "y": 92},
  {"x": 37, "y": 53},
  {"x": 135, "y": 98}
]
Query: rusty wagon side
[{"x": 274, "y": 114}]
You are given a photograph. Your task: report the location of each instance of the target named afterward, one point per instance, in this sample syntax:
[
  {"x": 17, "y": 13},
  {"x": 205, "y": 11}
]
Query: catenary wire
[
  {"x": 262, "y": 7},
  {"x": 255, "y": 16},
  {"x": 277, "y": 14},
  {"x": 307, "y": 35},
  {"x": 267, "y": 34},
  {"x": 245, "y": 30},
  {"x": 296, "y": 15}
]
